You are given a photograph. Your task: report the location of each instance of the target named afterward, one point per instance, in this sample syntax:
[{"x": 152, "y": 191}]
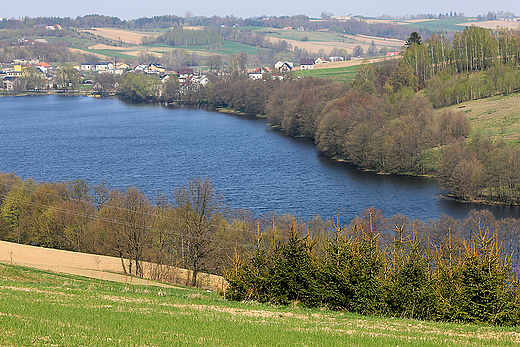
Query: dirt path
[{"x": 80, "y": 264}]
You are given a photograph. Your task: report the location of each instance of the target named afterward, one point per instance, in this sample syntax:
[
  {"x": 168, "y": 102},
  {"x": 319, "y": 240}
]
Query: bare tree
[
  {"x": 199, "y": 210},
  {"x": 127, "y": 218}
]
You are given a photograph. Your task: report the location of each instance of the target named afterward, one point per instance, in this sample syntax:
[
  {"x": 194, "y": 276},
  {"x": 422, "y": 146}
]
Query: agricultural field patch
[
  {"x": 126, "y": 36},
  {"x": 346, "y": 74},
  {"x": 43, "y": 308},
  {"x": 493, "y": 24}
]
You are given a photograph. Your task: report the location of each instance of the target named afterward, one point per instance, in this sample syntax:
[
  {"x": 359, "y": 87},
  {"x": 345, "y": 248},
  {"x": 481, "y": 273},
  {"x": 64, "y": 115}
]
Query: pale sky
[{"x": 132, "y": 9}]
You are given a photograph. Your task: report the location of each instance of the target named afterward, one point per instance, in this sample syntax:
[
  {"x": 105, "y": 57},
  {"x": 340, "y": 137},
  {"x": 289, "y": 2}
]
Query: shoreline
[{"x": 228, "y": 111}]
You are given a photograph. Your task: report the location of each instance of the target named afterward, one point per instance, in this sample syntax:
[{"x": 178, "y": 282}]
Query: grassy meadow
[
  {"x": 346, "y": 74},
  {"x": 497, "y": 117},
  {"x": 45, "y": 309}
]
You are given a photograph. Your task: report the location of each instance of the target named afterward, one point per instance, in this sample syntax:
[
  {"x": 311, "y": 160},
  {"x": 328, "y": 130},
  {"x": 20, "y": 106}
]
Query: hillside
[
  {"x": 45, "y": 308},
  {"x": 497, "y": 117}
]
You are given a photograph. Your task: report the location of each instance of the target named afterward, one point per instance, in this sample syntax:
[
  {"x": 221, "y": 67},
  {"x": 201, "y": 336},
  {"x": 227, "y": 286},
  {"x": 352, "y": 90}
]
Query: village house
[
  {"x": 306, "y": 63},
  {"x": 155, "y": 68},
  {"x": 123, "y": 66},
  {"x": 183, "y": 73},
  {"x": 141, "y": 68},
  {"x": 43, "y": 67},
  {"x": 9, "y": 82},
  {"x": 284, "y": 66},
  {"x": 255, "y": 75},
  {"x": 104, "y": 66},
  {"x": 391, "y": 54},
  {"x": 320, "y": 61},
  {"x": 85, "y": 67},
  {"x": 200, "y": 80},
  {"x": 25, "y": 61},
  {"x": 259, "y": 72},
  {"x": 16, "y": 71}
]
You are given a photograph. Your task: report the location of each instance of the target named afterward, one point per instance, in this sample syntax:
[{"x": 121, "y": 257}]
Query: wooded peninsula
[{"x": 389, "y": 119}]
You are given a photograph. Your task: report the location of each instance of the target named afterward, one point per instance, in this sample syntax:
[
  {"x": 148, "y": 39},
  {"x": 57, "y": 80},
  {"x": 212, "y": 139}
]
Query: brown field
[
  {"x": 91, "y": 265},
  {"x": 493, "y": 24},
  {"x": 131, "y": 37},
  {"x": 328, "y": 46},
  {"x": 82, "y": 51}
]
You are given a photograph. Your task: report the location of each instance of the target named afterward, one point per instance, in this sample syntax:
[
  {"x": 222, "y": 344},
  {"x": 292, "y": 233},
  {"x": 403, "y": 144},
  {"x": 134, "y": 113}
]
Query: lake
[{"x": 157, "y": 149}]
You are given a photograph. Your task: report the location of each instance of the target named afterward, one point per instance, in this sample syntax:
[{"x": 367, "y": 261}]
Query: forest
[{"x": 444, "y": 269}]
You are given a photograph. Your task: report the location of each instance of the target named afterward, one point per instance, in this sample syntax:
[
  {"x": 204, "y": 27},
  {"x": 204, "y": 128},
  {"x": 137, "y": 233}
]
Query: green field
[
  {"x": 111, "y": 53},
  {"x": 436, "y": 24},
  {"x": 44, "y": 309},
  {"x": 228, "y": 48},
  {"x": 312, "y": 36},
  {"x": 441, "y": 25},
  {"x": 497, "y": 117},
  {"x": 347, "y": 74}
]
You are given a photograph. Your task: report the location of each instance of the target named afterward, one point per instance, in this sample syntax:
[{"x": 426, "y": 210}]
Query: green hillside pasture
[
  {"x": 433, "y": 24},
  {"x": 347, "y": 74},
  {"x": 497, "y": 117},
  {"x": 228, "y": 48},
  {"x": 312, "y": 36},
  {"x": 441, "y": 25},
  {"x": 111, "y": 53},
  {"x": 40, "y": 308},
  {"x": 250, "y": 28}
]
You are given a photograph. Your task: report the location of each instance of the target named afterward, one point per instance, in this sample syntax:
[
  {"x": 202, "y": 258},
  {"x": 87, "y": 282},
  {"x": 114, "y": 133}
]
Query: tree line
[
  {"x": 444, "y": 269},
  {"x": 472, "y": 50},
  {"x": 50, "y": 52},
  {"x": 442, "y": 278},
  {"x": 354, "y": 26}
]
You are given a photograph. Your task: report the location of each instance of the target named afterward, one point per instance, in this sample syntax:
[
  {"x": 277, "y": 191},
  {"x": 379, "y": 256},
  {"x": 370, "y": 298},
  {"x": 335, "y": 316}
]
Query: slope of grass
[
  {"x": 313, "y": 36},
  {"x": 228, "y": 48},
  {"x": 347, "y": 74},
  {"x": 440, "y": 24},
  {"x": 40, "y": 308},
  {"x": 111, "y": 53},
  {"x": 497, "y": 117}
]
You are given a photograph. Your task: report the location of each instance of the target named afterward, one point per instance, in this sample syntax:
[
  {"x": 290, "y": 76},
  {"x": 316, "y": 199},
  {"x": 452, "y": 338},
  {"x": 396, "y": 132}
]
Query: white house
[
  {"x": 306, "y": 63},
  {"x": 104, "y": 66}
]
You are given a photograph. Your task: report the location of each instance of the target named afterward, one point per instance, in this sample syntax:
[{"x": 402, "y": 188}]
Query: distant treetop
[{"x": 414, "y": 38}]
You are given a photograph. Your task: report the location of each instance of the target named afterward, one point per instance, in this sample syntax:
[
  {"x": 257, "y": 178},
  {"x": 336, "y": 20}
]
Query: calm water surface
[{"x": 157, "y": 149}]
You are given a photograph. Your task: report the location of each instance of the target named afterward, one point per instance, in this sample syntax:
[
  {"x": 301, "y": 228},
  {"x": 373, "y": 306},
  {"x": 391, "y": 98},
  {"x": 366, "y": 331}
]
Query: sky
[{"x": 133, "y": 9}]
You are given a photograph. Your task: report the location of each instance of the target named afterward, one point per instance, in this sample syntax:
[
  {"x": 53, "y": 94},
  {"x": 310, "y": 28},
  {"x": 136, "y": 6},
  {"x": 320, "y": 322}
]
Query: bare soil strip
[
  {"x": 132, "y": 37},
  {"x": 493, "y": 24},
  {"x": 87, "y": 265}
]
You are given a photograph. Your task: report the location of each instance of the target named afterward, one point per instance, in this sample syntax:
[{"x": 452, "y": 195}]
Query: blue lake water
[{"x": 157, "y": 149}]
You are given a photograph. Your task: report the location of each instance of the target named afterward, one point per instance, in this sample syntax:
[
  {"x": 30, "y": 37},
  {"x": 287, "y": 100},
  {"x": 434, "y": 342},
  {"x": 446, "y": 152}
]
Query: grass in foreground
[{"x": 39, "y": 308}]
